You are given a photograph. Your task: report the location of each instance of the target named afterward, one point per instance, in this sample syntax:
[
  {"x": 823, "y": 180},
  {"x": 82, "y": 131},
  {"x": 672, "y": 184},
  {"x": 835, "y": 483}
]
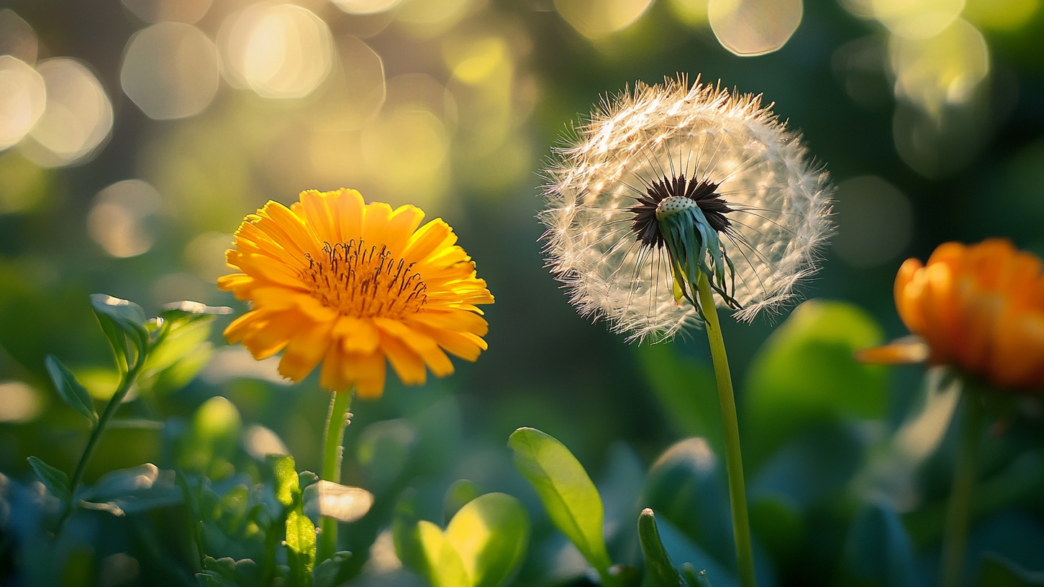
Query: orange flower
[
  {"x": 979, "y": 308},
  {"x": 335, "y": 280}
]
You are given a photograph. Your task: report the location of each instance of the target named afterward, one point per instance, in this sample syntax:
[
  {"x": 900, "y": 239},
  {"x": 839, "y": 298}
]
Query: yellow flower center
[{"x": 365, "y": 282}]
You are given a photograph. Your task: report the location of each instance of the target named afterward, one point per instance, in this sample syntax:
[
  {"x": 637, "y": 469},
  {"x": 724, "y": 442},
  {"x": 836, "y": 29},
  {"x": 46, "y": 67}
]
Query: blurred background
[{"x": 136, "y": 134}]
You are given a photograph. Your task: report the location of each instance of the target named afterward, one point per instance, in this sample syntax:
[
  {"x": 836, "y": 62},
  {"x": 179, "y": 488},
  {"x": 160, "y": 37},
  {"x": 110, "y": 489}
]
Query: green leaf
[
  {"x": 460, "y": 492},
  {"x": 657, "y": 564},
  {"x": 423, "y": 548},
  {"x": 133, "y": 490},
  {"x": 686, "y": 392},
  {"x": 806, "y": 374},
  {"x": 686, "y": 487},
  {"x": 878, "y": 550},
  {"x": 1000, "y": 572},
  {"x": 71, "y": 391},
  {"x": 122, "y": 321},
  {"x": 57, "y": 482},
  {"x": 571, "y": 500},
  {"x": 212, "y": 439},
  {"x": 490, "y": 534},
  {"x": 300, "y": 546},
  {"x": 693, "y": 578},
  {"x": 333, "y": 571},
  {"x": 287, "y": 488}
]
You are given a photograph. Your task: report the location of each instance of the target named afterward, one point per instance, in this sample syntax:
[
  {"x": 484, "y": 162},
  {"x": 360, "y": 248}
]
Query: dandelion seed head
[{"x": 775, "y": 220}]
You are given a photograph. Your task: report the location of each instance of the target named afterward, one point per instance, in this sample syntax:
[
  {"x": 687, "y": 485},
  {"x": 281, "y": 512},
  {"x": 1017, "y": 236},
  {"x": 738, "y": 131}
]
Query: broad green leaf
[
  {"x": 686, "y": 392},
  {"x": 571, "y": 500},
  {"x": 1000, "y": 572},
  {"x": 226, "y": 571},
  {"x": 286, "y": 484},
  {"x": 814, "y": 465},
  {"x": 658, "y": 564},
  {"x": 682, "y": 549},
  {"x": 490, "y": 534},
  {"x": 333, "y": 571},
  {"x": 121, "y": 321},
  {"x": 300, "y": 546},
  {"x": 422, "y": 547},
  {"x": 686, "y": 487},
  {"x": 460, "y": 492},
  {"x": 806, "y": 374},
  {"x": 878, "y": 550},
  {"x": 57, "y": 482},
  {"x": 72, "y": 393}
]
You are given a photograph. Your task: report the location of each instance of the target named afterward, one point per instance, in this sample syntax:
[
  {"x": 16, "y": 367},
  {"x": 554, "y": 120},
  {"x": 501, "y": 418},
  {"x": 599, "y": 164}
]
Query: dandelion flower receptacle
[
  {"x": 670, "y": 154},
  {"x": 353, "y": 286},
  {"x": 332, "y": 279},
  {"x": 673, "y": 200}
]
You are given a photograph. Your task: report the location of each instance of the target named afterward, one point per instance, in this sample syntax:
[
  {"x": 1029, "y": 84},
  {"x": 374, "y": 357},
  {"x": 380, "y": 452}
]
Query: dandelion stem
[
  {"x": 733, "y": 455},
  {"x": 332, "y": 452},
  {"x": 955, "y": 540}
]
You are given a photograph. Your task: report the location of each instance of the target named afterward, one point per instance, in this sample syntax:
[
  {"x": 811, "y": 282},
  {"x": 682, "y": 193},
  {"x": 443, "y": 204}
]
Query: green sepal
[
  {"x": 123, "y": 322},
  {"x": 694, "y": 579},
  {"x": 694, "y": 247}
]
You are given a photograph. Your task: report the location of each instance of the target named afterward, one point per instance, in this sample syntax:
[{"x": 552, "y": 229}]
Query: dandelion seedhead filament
[
  {"x": 354, "y": 286},
  {"x": 669, "y": 181}
]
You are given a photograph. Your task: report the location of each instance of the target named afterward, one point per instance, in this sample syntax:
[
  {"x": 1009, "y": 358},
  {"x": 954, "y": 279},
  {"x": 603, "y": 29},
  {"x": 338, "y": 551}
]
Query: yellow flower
[
  {"x": 335, "y": 280},
  {"x": 979, "y": 308}
]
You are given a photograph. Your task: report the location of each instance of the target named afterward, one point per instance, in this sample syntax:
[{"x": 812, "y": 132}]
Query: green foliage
[
  {"x": 878, "y": 550},
  {"x": 300, "y": 531},
  {"x": 212, "y": 439},
  {"x": 999, "y": 572},
  {"x": 70, "y": 390},
  {"x": 657, "y": 563},
  {"x": 566, "y": 491},
  {"x": 123, "y": 323},
  {"x": 686, "y": 391},
  {"x": 57, "y": 482},
  {"x": 482, "y": 546},
  {"x": 805, "y": 375}
]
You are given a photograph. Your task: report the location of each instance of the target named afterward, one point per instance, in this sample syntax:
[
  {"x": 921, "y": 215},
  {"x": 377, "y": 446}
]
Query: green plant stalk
[
  {"x": 955, "y": 539},
  {"x": 332, "y": 452},
  {"x": 733, "y": 455},
  {"x": 126, "y": 381}
]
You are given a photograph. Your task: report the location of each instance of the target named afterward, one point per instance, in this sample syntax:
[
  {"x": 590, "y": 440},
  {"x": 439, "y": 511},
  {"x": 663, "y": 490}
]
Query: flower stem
[
  {"x": 126, "y": 381},
  {"x": 733, "y": 455},
  {"x": 332, "y": 452},
  {"x": 955, "y": 539}
]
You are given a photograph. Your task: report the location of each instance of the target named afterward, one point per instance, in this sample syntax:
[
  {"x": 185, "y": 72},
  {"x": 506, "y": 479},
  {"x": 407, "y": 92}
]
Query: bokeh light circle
[
  {"x": 943, "y": 69},
  {"x": 118, "y": 219},
  {"x": 754, "y": 27},
  {"x": 170, "y": 70},
  {"x": 917, "y": 19},
  {"x": 23, "y": 96},
  {"x": 277, "y": 50},
  {"x": 598, "y": 18},
  {"x": 365, "y": 6},
  {"x": 188, "y": 11},
  {"x": 76, "y": 120},
  {"x": 875, "y": 221}
]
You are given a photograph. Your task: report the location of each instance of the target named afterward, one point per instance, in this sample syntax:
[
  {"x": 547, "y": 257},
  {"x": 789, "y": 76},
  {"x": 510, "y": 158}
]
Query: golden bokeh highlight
[
  {"x": 118, "y": 218},
  {"x": 23, "y": 97},
  {"x": 690, "y": 12},
  {"x": 595, "y": 19},
  {"x": 17, "y": 37},
  {"x": 187, "y": 11},
  {"x": 278, "y": 50},
  {"x": 76, "y": 120},
  {"x": 943, "y": 69},
  {"x": 365, "y": 6},
  {"x": 917, "y": 19},
  {"x": 170, "y": 70},
  {"x": 754, "y": 27}
]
